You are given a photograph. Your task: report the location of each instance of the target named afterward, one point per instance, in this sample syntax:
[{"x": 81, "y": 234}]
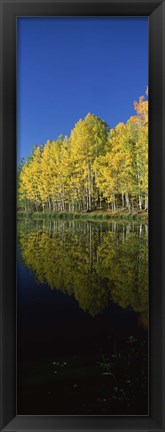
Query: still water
[{"x": 82, "y": 290}]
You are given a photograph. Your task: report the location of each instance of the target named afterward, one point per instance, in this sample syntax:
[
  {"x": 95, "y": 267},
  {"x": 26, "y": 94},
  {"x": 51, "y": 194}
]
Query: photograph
[{"x": 82, "y": 216}]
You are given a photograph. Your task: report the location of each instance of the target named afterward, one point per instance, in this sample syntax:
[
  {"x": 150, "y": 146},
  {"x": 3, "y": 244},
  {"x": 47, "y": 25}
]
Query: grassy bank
[{"x": 95, "y": 215}]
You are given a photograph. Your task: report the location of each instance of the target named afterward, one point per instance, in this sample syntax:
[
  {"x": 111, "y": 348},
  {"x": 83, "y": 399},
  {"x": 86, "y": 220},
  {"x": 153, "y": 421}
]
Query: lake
[{"x": 82, "y": 325}]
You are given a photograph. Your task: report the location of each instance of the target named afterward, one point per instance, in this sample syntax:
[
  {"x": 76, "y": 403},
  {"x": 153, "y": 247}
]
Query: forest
[{"x": 95, "y": 168}]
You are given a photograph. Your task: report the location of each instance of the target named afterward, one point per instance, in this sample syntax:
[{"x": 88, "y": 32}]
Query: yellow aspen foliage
[{"x": 93, "y": 168}]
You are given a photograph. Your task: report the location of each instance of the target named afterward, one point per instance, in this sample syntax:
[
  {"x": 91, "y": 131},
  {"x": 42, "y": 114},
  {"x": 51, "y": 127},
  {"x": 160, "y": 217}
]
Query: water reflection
[{"x": 96, "y": 262}]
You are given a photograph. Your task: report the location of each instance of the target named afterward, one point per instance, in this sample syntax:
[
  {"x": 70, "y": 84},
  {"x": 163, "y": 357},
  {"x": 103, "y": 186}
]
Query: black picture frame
[{"x": 155, "y": 10}]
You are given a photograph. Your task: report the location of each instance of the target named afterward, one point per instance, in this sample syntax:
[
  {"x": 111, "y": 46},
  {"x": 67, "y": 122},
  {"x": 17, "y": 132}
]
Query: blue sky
[{"x": 67, "y": 67}]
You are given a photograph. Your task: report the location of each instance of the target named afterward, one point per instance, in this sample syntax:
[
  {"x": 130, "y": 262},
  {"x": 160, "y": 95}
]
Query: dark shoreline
[{"x": 93, "y": 215}]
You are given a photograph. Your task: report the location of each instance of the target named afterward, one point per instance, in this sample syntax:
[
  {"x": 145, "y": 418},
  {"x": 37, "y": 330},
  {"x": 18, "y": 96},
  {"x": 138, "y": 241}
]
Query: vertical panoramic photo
[{"x": 82, "y": 216}]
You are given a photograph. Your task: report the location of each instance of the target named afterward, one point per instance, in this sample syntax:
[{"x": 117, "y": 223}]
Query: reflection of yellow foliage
[
  {"x": 93, "y": 264},
  {"x": 143, "y": 320},
  {"x": 123, "y": 262}
]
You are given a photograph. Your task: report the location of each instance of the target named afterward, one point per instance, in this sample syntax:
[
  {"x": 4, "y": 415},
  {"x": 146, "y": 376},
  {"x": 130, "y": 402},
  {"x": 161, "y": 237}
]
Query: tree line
[{"x": 94, "y": 168}]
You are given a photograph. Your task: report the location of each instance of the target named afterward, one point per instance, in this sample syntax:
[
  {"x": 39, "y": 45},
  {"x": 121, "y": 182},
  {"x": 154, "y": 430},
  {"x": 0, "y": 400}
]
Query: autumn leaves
[{"x": 93, "y": 168}]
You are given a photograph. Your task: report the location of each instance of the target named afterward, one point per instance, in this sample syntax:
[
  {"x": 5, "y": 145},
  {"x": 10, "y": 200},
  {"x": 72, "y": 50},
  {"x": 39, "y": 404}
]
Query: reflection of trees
[
  {"x": 95, "y": 262},
  {"x": 123, "y": 262}
]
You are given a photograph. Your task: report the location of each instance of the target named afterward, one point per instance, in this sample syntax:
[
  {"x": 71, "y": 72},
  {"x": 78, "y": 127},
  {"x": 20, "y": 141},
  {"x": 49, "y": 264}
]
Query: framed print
[
  {"x": 82, "y": 199},
  {"x": 82, "y": 217}
]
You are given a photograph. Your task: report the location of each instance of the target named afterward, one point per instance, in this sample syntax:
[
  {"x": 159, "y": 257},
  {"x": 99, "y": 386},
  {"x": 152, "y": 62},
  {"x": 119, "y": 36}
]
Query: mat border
[{"x": 9, "y": 11}]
